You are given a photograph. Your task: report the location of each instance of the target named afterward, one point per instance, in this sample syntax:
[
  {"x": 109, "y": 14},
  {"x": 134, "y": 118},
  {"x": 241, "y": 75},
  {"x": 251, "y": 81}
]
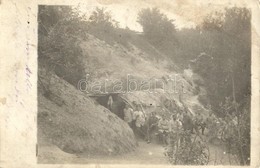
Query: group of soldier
[
  {"x": 166, "y": 127},
  {"x": 173, "y": 126}
]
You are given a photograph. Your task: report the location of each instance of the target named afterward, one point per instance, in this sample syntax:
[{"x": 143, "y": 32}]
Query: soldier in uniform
[
  {"x": 175, "y": 127},
  {"x": 163, "y": 126}
]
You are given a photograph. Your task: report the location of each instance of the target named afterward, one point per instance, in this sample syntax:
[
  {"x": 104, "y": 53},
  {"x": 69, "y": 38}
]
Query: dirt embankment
[{"x": 75, "y": 123}]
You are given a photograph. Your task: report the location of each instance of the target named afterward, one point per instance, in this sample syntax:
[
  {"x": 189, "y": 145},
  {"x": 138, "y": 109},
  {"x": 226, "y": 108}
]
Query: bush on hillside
[{"x": 59, "y": 42}]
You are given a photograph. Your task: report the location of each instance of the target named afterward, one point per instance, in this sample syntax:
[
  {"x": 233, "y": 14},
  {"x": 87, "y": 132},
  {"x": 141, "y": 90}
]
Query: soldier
[
  {"x": 211, "y": 124},
  {"x": 139, "y": 119},
  {"x": 151, "y": 125},
  {"x": 199, "y": 122},
  {"x": 187, "y": 122},
  {"x": 175, "y": 127},
  {"x": 128, "y": 115},
  {"x": 163, "y": 126},
  {"x": 110, "y": 102}
]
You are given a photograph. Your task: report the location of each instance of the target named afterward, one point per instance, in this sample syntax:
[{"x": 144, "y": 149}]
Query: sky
[{"x": 186, "y": 13}]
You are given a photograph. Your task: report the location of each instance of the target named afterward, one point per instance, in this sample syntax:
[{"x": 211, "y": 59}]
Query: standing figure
[
  {"x": 151, "y": 124},
  {"x": 163, "y": 126},
  {"x": 128, "y": 115},
  {"x": 139, "y": 119},
  {"x": 199, "y": 122},
  {"x": 187, "y": 122},
  {"x": 211, "y": 125},
  {"x": 175, "y": 127},
  {"x": 110, "y": 102}
]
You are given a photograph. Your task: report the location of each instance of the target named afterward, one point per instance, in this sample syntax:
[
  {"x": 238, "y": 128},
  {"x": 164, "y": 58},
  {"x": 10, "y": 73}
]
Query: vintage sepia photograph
[{"x": 144, "y": 83}]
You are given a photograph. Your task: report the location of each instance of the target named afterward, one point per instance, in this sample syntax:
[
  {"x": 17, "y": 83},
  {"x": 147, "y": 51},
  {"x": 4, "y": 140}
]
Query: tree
[
  {"x": 103, "y": 26},
  {"x": 60, "y": 29},
  {"x": 214, "y": 21},
  {"x": 229, "y": 76},
  {"x": 157, "y": 28},
  {"x": 231, "y": 50},
  {"x": 101, "y": 18}
]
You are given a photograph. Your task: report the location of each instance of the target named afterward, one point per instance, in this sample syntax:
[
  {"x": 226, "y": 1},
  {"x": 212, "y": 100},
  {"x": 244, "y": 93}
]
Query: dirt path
[{"x": 144, "y": 154}]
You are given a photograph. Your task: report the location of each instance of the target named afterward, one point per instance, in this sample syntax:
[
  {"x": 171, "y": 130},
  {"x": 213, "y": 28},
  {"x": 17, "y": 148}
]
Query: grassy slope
[
  {"x": 117, "y": 60},
  {"x": 75, "y": 123}
]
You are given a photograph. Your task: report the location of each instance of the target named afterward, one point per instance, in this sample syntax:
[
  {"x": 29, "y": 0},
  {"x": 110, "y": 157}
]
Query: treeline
[{"x": 219, "y": 50}]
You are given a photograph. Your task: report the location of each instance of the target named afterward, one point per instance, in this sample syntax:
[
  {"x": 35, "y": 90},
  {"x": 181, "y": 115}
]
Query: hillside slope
[
  {"x": 116, "y": 62},
  {"x": 75, "y": 123}
]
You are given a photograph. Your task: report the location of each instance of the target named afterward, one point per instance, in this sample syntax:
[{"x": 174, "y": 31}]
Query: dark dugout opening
[{"x": 117, "y": 106}]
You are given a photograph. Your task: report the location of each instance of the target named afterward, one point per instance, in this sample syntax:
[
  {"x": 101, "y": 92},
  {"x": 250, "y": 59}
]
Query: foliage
[
  {"x": 59, "y": 34},
  {"x": 102, "y": 19},
  {"x": 213, "y": 21},
  {"x": 188, "y": 46},
  {"x": 230, "y": 51},
  {"x": 219, "y": 51},
  {"x": 190, "y": 151},
  {"x": 236, "y": 132},
  {"x": 103, "y": 26},
  {"x": 157, "y": 28},
  {"x": 227, "y": 79}
]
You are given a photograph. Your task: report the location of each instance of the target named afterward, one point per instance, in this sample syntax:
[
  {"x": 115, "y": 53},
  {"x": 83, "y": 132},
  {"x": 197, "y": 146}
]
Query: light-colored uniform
[
  {"x": 139, "y": 118},
  {"x": 110, "y": 103},
  {"x": 128, "y": 115},
  {"x": 163, "y": 125},
  {"x": 175, "y": 126}
]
